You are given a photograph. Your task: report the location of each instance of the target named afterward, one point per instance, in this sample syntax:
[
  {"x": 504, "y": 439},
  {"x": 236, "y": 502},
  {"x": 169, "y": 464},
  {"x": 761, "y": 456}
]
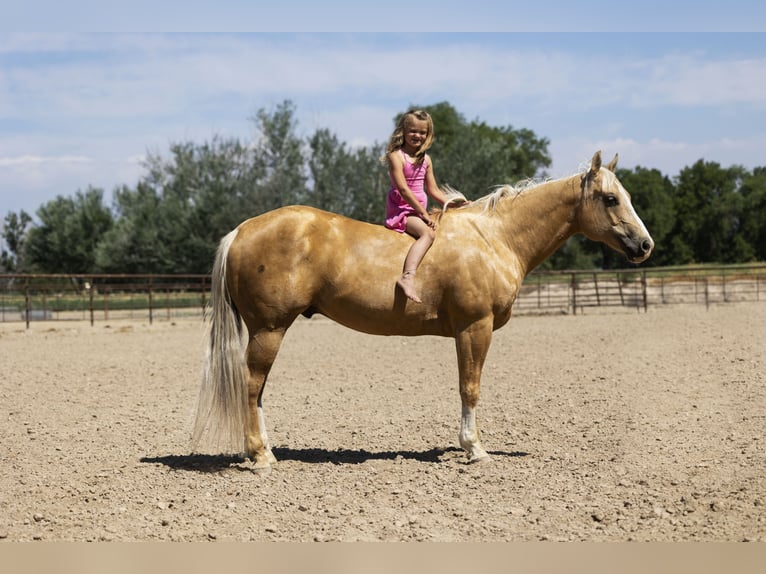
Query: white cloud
[
  {"x": 667, "y": 156},
  {"x": 20, "y": 162},
  {"x": 143, "y": 75},
  {"x": 693, "y": 80},
  {"x": 110, "y": 97}
]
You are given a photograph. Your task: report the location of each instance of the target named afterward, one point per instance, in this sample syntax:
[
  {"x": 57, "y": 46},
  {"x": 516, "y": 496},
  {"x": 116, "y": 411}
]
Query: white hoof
[
  {"x": 262, "y": 468},
  {"x": 479, "y": 458}
]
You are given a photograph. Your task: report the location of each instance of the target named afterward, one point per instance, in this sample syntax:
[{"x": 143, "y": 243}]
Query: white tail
[{"x": 222, "y": 412}]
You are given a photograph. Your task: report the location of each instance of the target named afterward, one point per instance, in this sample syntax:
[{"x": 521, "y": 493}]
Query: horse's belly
[{"x": 384, "y": 321}]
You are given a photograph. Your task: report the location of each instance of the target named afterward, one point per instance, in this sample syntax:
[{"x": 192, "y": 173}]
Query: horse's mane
[
  {"x": 500, "y": 192},
  {"x": 490, "y": 201}
]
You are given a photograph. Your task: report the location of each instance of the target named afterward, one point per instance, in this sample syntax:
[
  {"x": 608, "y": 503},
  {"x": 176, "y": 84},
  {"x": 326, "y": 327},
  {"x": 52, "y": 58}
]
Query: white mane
[{"x": 499, "y": 192}]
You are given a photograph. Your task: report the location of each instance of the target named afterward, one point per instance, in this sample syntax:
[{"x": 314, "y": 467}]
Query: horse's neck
[{"x": 539, "y": 220}]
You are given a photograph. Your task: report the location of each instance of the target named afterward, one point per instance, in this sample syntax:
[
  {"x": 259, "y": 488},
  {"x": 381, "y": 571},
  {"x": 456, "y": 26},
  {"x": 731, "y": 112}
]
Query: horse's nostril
[{"x": 646, "y": 246}]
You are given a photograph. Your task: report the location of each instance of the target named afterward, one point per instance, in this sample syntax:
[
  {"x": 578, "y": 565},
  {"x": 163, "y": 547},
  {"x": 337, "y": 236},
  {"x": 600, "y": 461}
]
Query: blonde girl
[{"x": 412, "y": 182}]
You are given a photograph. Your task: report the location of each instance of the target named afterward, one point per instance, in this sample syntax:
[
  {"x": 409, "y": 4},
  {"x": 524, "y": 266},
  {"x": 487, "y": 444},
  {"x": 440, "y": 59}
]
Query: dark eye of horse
[{"x": 611, "y": 200}]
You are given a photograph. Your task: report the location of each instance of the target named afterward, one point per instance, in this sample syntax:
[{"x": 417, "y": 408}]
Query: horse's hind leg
[{"x": 261, "y": 353}]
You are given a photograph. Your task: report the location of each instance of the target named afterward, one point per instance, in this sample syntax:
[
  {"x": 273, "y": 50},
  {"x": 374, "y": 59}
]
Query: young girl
[{"x": 412, "y": 181}]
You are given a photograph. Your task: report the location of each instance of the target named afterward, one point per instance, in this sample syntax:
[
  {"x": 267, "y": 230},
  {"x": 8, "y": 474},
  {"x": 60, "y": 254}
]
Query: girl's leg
[{"x": 424, "y": 238}]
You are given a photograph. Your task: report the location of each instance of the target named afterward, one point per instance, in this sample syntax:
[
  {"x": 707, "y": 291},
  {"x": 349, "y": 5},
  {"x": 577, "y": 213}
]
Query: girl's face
[{"x": 415, "y": 133}]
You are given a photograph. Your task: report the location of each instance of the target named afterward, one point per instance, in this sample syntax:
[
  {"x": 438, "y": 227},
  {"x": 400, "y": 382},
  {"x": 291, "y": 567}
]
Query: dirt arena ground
[{"x": 603, "y": 427}]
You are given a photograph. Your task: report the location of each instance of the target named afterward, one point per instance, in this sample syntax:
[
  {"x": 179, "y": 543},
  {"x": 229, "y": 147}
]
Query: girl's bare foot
[{"x": 407, "y": 282}]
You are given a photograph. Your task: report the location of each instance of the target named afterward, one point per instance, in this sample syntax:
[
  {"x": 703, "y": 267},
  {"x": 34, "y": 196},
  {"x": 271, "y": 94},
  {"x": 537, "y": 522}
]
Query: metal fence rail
[
  {"x": 150, "y": 297},
  {"x": 576, "y": 291},
  {"x": 76, "y": 297}
]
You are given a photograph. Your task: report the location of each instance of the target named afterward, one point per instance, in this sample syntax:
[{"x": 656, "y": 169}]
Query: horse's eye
[{"x": 611, "y": 200}]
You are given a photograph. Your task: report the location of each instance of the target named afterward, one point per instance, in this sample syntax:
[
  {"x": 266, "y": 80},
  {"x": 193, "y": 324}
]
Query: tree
[
  {"x": 352, "y": 183},
  {"x": 278, "y": 155},
  {"x": 15, "y": 227},
  {"x": 134, "y": 243},
  {"x": 652, "y": 196},
  {"x": 331, "y": 172},
  {"x": 473, "y": 157},
  {"x": 172, "y": 222},
  {"x": 173, "y": 219},
  {"x": 753, "y": 191},
  {"x": 203, "y": 192},
  {"x": 70, "y": 229},
  {"x": 708, "y": 221}
]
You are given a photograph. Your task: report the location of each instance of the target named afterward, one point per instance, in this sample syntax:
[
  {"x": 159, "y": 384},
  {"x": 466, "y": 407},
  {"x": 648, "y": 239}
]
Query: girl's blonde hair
[{"x": 397, "y": 138}]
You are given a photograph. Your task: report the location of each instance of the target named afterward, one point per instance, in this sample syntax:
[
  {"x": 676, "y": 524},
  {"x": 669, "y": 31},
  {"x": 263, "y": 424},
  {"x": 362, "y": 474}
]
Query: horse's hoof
[
  {"x": 485, "y": 458},
  {"x": 262, "y": 468}
]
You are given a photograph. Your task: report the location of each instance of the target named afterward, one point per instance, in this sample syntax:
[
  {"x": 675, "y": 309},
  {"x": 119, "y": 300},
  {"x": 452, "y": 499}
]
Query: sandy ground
[{"x": 602, "y": 427}]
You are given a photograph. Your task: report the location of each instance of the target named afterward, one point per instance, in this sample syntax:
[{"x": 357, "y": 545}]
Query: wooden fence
[{"x": 150, "y": 297}]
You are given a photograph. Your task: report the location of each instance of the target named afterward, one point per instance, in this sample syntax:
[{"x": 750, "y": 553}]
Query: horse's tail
[{"x": 222, "y": 411}]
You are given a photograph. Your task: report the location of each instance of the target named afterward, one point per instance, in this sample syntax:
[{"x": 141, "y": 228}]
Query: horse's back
[
  {"x": 299, "y": 234},
  {"x": 296, "y": 257}
]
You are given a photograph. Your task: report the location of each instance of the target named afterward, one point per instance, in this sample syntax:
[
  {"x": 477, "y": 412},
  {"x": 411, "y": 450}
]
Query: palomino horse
[{"x": 299, "y": 260}]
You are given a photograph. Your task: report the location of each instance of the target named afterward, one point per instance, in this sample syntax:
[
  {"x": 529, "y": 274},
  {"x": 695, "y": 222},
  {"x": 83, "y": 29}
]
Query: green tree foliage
[
  {"x": 70, "y": 229},
  {"x": 652, "y": 196},
  {"x": 708, "y": 207},
  {"x": 14, "y": 234},
  {"x": 344, "y": 181},
  {"x": 201, "y": 193},
  {"x": 173, "y": 219},
  {"x": 279, "y": 156},
  {"x": 753, "y": 221},
  {"x": 473, "y": 157},
  {"x": 134, "y": 244}
]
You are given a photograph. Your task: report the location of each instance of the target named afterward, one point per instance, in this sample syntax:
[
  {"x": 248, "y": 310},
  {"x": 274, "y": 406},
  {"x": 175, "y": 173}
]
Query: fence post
[
  {"x": 595, "y": 284},
  {"x": 618, "y": 277},
  {"x": 573, "y": 285},
  {"x": 643, "y": 289},
  {"x": 90, "y": 298},
  {"x": 26, "y": 299},
  {"x": 150, "y": 301},
  {"x": 204, "y": 278},
  {"x": 539, "y": 294}
]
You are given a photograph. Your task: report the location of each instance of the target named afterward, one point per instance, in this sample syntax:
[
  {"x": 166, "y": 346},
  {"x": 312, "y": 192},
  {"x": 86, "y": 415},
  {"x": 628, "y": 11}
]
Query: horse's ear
[
  {"x": 612, "y": 165},
  {"x": 595, "y": 163}
]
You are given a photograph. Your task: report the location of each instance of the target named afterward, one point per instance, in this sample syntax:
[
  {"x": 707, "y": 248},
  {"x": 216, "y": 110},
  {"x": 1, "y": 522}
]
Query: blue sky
[{"x": 82, "y": 99}]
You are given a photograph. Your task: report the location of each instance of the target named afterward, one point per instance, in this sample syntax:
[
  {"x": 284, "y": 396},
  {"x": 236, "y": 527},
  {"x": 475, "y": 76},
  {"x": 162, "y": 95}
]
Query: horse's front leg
[{"x": 472, "y": 346}]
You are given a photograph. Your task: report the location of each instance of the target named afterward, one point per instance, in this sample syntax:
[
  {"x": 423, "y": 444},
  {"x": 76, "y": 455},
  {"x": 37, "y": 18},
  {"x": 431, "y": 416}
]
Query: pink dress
[{"x": 397, "y": 208}]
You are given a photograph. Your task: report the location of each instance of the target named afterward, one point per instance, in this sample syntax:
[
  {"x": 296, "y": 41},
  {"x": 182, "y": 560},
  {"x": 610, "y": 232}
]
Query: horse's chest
[{"x": 503, "y": 302}]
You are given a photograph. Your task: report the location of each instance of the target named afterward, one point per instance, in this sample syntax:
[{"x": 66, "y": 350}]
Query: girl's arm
[
  {"x": 396, "y": 166},
  {"x": 435, "y": 191},
  {"x": 431, "y": 186}
]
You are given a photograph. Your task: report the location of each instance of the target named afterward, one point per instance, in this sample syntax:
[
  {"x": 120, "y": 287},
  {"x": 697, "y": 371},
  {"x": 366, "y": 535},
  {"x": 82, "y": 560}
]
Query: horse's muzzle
[{"x": 638, "y": 250}]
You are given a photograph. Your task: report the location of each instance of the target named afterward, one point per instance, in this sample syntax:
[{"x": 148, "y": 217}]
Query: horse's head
[{"x": 607, "y": 215}]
